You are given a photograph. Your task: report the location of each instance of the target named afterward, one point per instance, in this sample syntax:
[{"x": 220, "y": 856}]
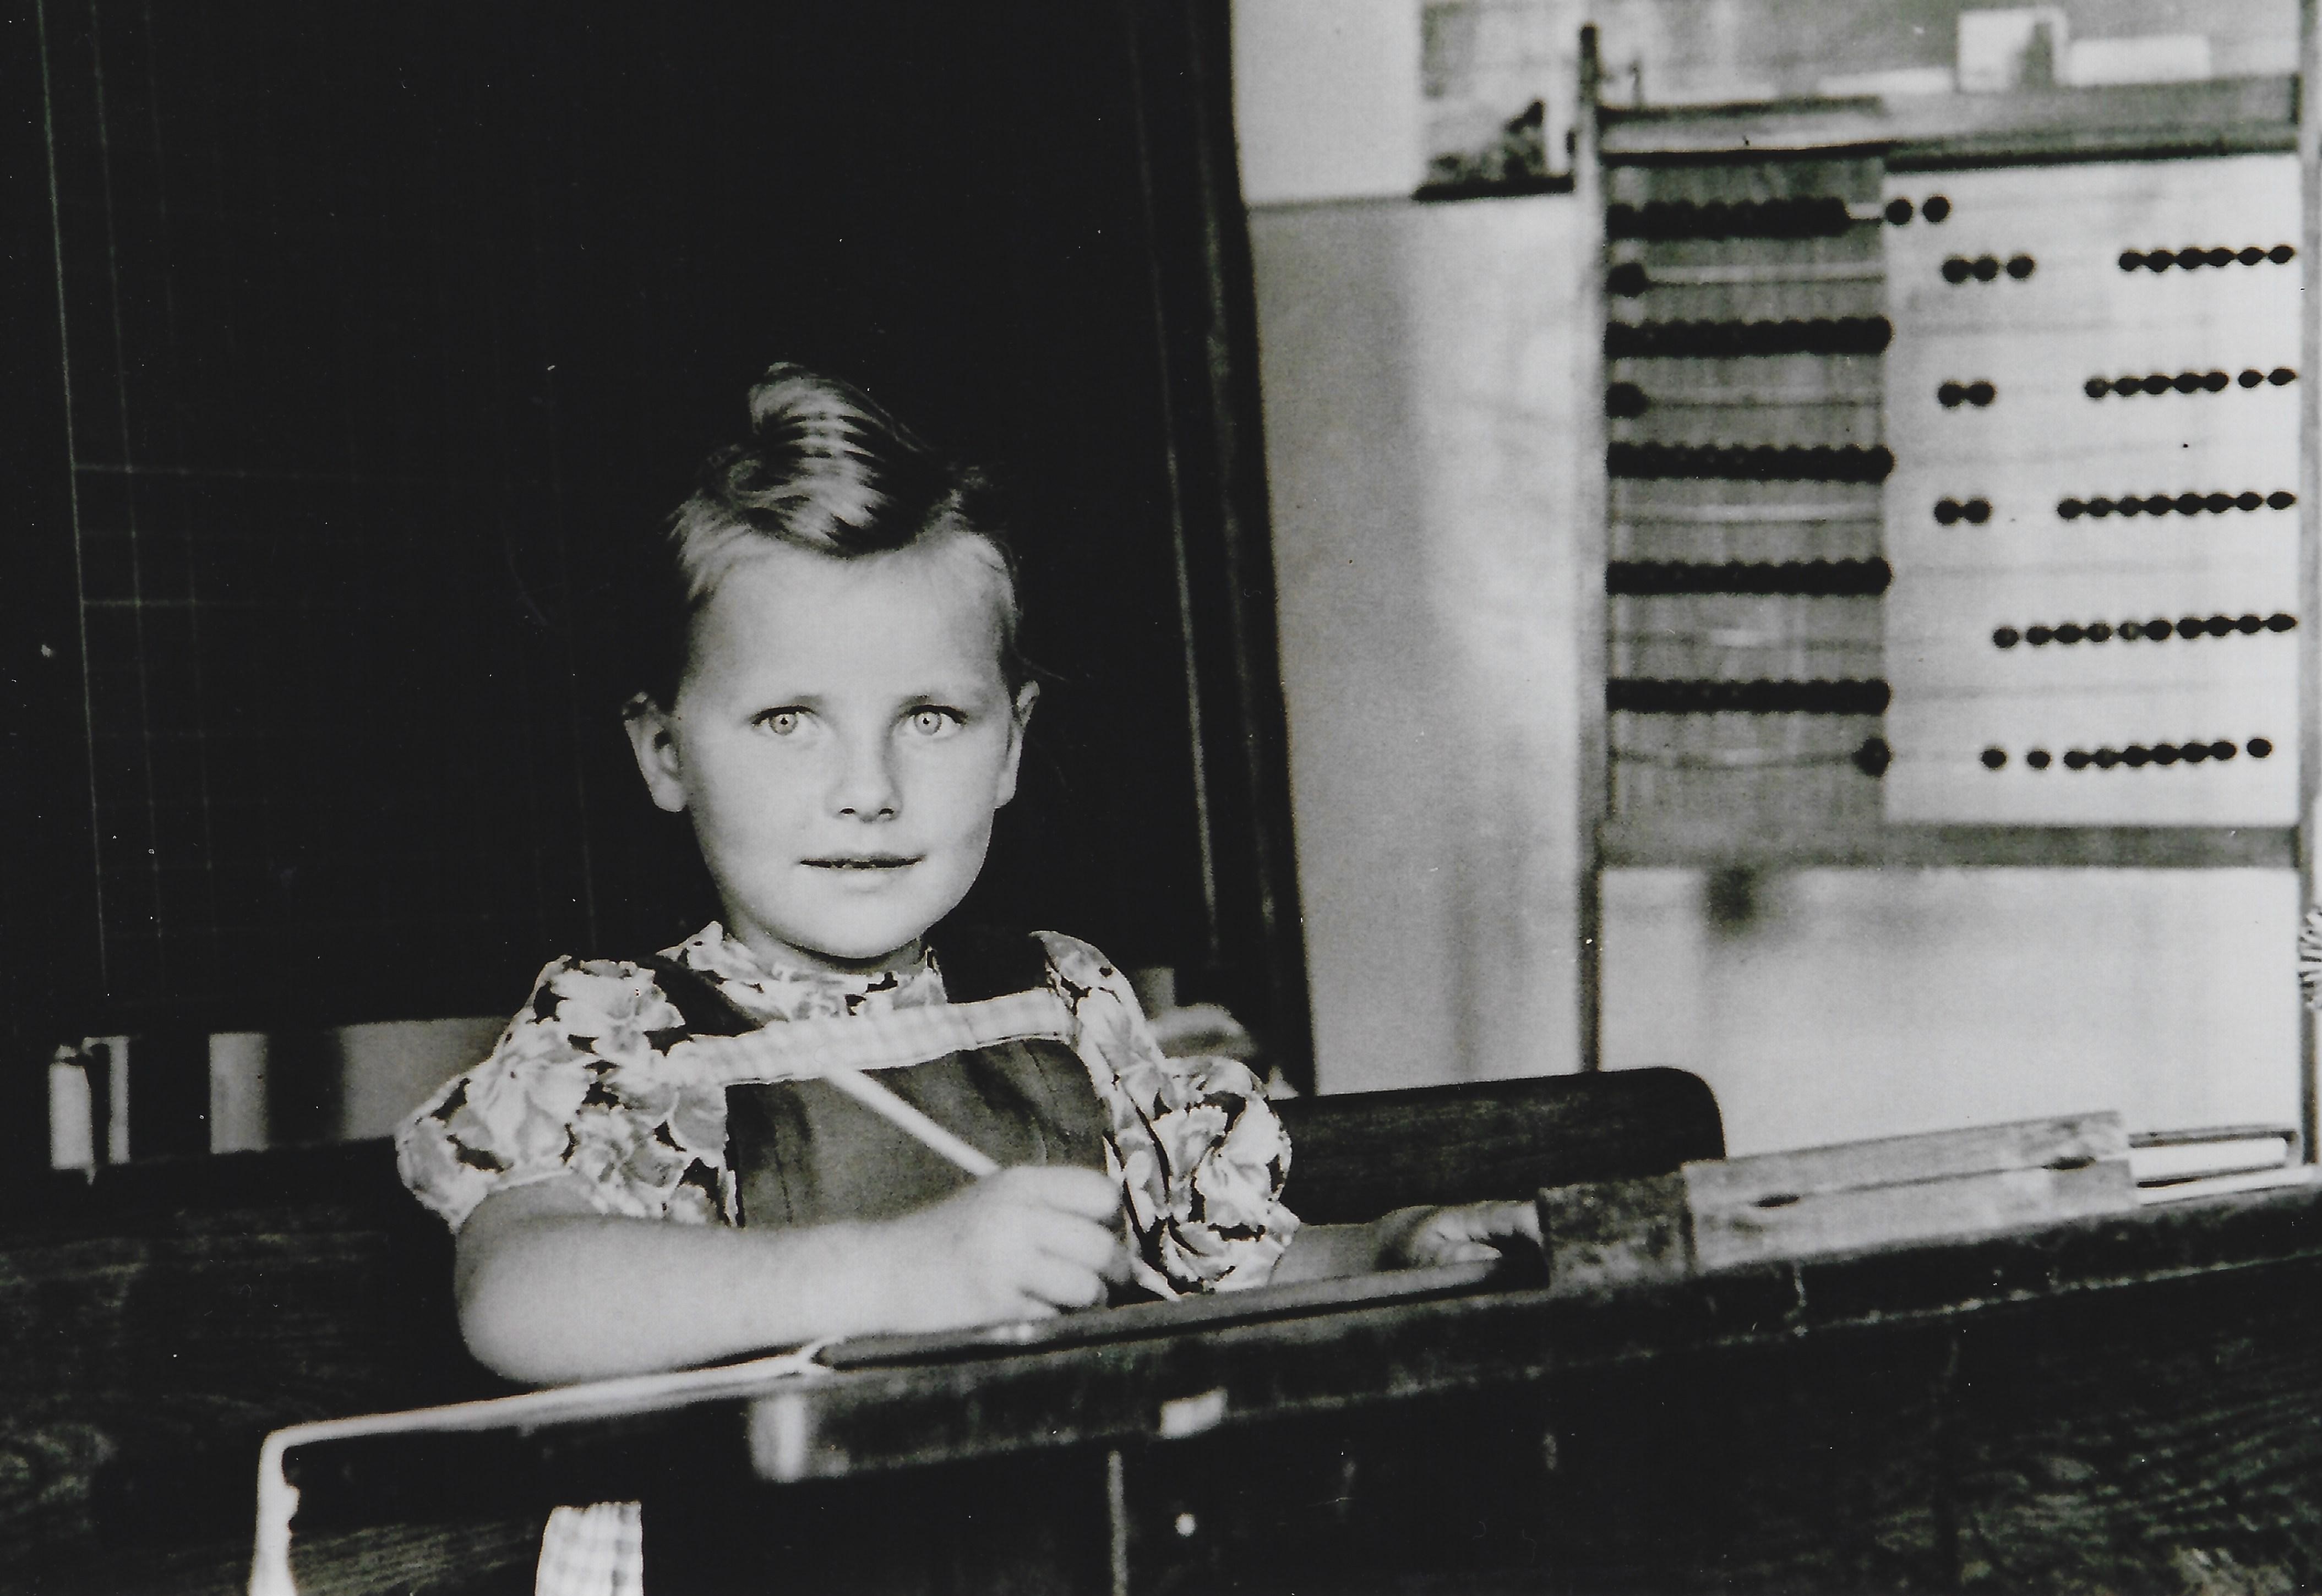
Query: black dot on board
[
  {"x": 1936, "y": 208},
  {"x": 1898, "y": 211},
  {"x": 2037, "y": 759},
  {"x": 1993, "y": 758},
  {"x": 2258, "y": 747}
]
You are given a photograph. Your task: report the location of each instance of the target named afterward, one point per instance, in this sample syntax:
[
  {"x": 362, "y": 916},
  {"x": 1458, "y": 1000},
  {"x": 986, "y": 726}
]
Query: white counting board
[{"x": 2049, "y": 546}]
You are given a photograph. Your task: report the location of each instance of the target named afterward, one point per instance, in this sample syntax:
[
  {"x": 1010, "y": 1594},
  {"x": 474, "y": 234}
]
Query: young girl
[{"x": 839, "y": 708}]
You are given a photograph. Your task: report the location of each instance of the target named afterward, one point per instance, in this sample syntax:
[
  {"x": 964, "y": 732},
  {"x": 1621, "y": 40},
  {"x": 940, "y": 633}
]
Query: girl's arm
[
  {"x": 551, "y": 1289},
  {"x": 1410, "y": 1238}
]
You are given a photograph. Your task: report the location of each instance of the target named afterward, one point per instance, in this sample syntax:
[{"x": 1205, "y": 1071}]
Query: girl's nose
[{"x": 866, "y": 785}]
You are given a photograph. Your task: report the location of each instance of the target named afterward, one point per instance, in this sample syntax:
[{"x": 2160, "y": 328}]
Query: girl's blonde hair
[{"x": 827, "y": 469}]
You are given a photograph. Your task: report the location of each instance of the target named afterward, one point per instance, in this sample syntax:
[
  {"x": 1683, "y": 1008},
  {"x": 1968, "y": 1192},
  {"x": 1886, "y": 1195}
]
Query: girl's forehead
[{"x": 929, "y": 607}]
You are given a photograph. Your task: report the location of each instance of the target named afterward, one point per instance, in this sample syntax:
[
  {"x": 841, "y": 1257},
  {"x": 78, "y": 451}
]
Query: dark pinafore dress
[{"x": 803, "y": 1152}]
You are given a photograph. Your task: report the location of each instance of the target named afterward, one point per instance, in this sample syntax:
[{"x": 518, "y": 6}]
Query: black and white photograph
[{"x": 1152, "y": 797}]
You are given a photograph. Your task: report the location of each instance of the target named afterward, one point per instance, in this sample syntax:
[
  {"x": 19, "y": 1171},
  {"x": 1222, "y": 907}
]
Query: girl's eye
[
  {"x": 931, "y": 722},
  {"x": 782, "y": 723}
]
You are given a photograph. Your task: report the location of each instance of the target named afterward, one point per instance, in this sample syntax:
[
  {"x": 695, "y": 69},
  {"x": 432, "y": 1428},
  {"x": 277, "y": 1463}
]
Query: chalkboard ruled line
[
  {"x": 1653, "y": 695},
  {"x": 1804, "y": 579}
]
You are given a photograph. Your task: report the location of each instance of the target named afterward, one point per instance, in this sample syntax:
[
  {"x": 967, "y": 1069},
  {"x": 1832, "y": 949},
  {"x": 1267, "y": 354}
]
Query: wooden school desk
[{"x": 2132, "y": 1402}]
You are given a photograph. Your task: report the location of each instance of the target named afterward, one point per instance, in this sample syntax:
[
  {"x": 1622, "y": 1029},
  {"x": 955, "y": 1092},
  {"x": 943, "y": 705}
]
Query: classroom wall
[{"x": 1419, "y": 376}]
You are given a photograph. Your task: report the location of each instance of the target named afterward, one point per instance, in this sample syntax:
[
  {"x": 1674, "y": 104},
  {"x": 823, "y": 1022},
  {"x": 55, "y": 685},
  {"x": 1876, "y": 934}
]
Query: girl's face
[{"x": 842, "y": 739}]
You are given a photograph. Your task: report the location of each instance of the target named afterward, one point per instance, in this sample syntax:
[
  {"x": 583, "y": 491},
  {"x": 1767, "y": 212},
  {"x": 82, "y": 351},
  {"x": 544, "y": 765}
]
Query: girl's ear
[
  {"x": 1026, "y": 696},
  {"x": 654, "y": 740}
]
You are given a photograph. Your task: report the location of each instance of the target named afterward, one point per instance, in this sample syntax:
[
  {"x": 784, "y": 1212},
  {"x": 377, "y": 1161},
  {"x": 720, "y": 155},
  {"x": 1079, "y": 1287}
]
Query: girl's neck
[{"x": 779, "y": 957}]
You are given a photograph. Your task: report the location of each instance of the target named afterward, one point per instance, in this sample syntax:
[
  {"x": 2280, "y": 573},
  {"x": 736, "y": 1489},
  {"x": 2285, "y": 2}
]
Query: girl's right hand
[{"x": 1026, "y": 1242}]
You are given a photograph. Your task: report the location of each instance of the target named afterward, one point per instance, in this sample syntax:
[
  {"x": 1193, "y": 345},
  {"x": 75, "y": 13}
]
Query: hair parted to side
[{"x": 826, "y": 470}]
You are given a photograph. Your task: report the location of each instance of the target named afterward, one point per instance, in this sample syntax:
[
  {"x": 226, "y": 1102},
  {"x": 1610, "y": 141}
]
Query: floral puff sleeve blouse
[{"x": 581, "y": 1083}]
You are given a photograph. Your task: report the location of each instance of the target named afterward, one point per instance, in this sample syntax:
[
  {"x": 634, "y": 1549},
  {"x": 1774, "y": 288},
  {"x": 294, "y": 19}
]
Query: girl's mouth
[{"x": 862, "y": 861}]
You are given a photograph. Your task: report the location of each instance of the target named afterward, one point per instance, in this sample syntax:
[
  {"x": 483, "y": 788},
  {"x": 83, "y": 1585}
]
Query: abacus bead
[
  {"x": 1936, "y": 208},
  {"x": 2258, "y": 747},
  {"x": 2070, "y": 509},
  {"x": 1985, "y": 268},
  {"x": 2219, "y": 625},
  {"x": 2076, "y": 759},
  {"x": 2278, "y": 622},
  {"x": 2280, "y": 500},
  {"x": 2281, "y": 254},
  {"x": 1628, "y": 279},
  {"x": 2038, "y": 636},
  {"x": 2160, "y": 259},
  {"x": 2130, "y": 260},
  {"x": 2195, "y": 752},
  {"x": 1898, "y": 211},
  {"x": 2130, "y": 631},
  {"x": 1947, "y": 510},
  {"x": 2248, "y": 501},
  {"x": 2192, "y": 260},
  {"x": 1950, "y": 395},
  {"x": 2157, "y": 629},
  {"x": 2131, "y": 505},
  {"x": 2217, "y": 382},
  {"x": 2007, "y": 637},
  {"x": 2221, "y": 256},
  {"x": 2100, "y": 507},
  {"x": 1981, "y": 393},
  {"x": 2136, "y": 756},
  {"x": 2100, "y": 633},
  {"x": 2281, "y": 376},
  {"x": 1993, "y": 758},
  {"x": 2165, "y": 754},
  {"x": 2189, "y": 504},
  {"x": 2070, "y": 633},
  {"x": 1976, "y": 510},
  {"x": 2219, "y": 503},
  {"x": 2250, "y": 256},
  {"x": 2097, "y": 388},
  {"x": 2250, "y": 625},
  {"x": 2222, "y": 749},
  {"x": 2020, "y": 266},
  {"x": 2185, "y": 382},
  {"x": 2158, "y": 383},
  {"x": 2106, "y": 758},
  {"x": 2251, "y": 378},
  {"x": 2037, "y": 759},
  {"x": 1955, "y": 270},
  {"x": 2191, "y": 626}
]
